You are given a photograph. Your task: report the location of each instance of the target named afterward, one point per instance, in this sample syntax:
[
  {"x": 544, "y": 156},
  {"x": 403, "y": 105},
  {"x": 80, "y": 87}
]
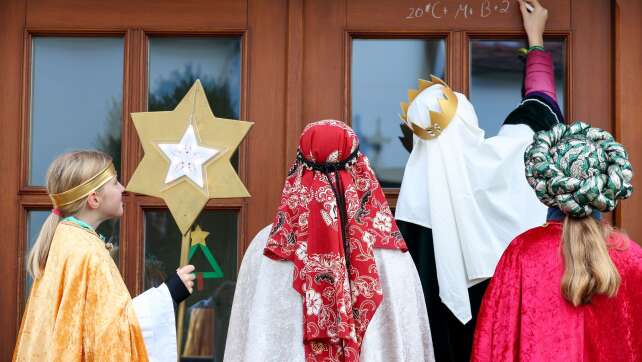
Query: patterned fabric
[
  {"x": 578, "y": 168},
  {"x": 341, "y": 290}
]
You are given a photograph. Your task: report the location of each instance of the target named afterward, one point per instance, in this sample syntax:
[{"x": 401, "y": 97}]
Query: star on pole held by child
[
  {"x": 186, "y": 163},
  {"x": 187, "y": 156}
]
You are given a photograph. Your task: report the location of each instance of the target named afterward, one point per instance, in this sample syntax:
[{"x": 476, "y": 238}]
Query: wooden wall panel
[
  {"x": 628, "y": 105},
  {"x": 137, "y": 13},
  {"x": 266, "y": 99},
  {"x": 12, "y": 17},
  {"x": 446, "y": 14},
  {"x": 591, "y": 85},
  {"x": 323, "y": 59},
  {"x": 294, "y": 86}
]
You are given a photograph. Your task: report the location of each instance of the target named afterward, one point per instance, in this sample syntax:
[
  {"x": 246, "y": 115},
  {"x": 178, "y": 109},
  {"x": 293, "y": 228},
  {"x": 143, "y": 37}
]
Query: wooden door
[
  {"x": 285, "y": 63},
  {"x": 360, "y": 57},
  {"x": 77, "y": 69}
]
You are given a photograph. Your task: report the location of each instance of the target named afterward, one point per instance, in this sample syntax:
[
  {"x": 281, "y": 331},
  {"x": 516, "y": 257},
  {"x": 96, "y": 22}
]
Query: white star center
[{"x": 187, "y": 157}]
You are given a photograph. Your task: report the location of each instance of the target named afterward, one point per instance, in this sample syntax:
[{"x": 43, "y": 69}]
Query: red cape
[{"x": 524, "y": 316}]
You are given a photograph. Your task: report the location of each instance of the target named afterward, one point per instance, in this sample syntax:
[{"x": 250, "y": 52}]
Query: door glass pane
[
  {"x": 110, "y": 229},
  {"x": 207, "y": 311},
  {"x": 496, "y": 74},
  {"x": 36, "y": 218},
  {"x": 382, "y": 71},
  {"x": 76, "y": 99},
  {"x": 175, "y": 63}
]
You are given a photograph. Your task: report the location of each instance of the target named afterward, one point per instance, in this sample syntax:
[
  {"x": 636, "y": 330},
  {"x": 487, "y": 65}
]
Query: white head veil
[{"x": 472, "y": 193}]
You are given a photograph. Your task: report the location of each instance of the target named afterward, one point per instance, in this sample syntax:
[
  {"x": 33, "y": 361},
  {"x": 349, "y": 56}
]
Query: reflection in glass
[
  {"x": 496, "y": 74},
  {"x": 175, "y": 63},
  {"x": 207, "y": 311},
  {"x": 35, "y": 218},
  {"x": 382, "y": 72},
  {"x": 76, "y": 99},
  {"x": 110, "y": 230}
]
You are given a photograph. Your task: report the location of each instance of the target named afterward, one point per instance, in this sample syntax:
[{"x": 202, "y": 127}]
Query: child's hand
[
  {"x": 534, "y": 21},
  {"x": 185, "y": 273}
]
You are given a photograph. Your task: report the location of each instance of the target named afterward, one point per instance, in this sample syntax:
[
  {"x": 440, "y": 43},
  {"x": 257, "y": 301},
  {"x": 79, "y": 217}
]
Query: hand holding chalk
[{"x": 534, "y": 16}]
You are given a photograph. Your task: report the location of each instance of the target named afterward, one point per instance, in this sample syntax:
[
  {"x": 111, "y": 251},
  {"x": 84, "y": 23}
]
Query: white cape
[
  {"x": 471, "y": 191},
  {"x": 155, "y": 312},
  {"x": 266, "y": 322}
]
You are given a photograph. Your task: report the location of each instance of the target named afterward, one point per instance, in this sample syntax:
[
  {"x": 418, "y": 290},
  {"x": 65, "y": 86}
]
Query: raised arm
[
  {"x": 539, "y": 75},
  {"x": 539, "y": 109}
]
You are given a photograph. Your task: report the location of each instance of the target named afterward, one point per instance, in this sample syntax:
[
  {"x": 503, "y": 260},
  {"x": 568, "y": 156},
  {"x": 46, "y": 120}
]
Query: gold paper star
[
  {"x": 184, "y": 198},
  {"x": 198, "y": 236}
]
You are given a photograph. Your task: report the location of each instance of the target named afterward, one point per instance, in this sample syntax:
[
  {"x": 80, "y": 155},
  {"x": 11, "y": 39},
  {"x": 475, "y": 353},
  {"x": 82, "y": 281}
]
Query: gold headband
[
  {"x": 438, "y": 120},
  {"x": 85, "y": 188}
]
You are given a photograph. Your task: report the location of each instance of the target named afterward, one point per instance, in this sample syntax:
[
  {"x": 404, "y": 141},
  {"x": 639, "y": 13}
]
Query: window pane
[
  {"x": 36, "y": 218},
  {"x": 76, "y": 99},
  {"x": 496, "y": 74},
  {"x": 175, "y": 63},
  {"x": 382, "y": 72},
  {"x": 207, "y": 311},
  {"x": 110, "y": 230}
]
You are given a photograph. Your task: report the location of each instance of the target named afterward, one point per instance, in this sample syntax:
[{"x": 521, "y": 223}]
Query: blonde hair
[
  {"x": 67, "y": 171},
  {"x": 588, "y": 268}
]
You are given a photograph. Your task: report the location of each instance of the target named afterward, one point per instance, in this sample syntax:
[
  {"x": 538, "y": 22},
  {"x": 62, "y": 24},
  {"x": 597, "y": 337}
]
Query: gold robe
[{"x": 79, "y": 309}]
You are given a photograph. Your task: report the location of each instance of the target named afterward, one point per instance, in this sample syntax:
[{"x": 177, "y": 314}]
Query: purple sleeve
[{"x": 539, "y": 74}]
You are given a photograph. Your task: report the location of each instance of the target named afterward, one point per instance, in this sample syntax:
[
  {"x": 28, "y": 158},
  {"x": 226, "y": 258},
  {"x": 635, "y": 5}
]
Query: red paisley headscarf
[{"x": 333, "y": 213}]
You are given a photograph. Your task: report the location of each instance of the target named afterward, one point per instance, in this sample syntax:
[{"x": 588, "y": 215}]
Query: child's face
[{"x": 111, "y": 195}]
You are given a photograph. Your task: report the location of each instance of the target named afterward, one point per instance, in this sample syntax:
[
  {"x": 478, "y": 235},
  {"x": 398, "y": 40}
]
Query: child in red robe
[{"x": 569, "y": 290}]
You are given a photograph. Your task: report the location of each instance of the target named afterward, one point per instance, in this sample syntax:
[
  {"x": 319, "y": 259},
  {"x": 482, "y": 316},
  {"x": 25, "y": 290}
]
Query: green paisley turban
[{"x": 578, "y": 169}]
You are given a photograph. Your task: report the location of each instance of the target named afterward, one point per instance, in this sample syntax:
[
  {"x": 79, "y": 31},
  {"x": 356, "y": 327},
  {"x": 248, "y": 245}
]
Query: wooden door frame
[
  {"x": 12, "y": 25},
  {"x": 628, "y": 108}
]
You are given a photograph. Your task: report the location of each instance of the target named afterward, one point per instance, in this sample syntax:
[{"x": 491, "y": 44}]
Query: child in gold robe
[{"x": 79, "y": 308}]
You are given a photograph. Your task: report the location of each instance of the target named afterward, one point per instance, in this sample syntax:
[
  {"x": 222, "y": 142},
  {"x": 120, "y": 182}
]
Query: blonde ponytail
[
  {"x": 588, "y": 268},
  {"x": 66, "y": 172}
]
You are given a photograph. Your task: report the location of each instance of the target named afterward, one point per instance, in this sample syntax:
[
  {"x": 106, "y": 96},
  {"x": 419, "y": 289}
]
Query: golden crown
[{"x": 438, "y": 120}]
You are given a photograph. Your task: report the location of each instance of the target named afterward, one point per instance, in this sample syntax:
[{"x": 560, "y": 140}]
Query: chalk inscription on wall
[{"x": 460, "y": 10}]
